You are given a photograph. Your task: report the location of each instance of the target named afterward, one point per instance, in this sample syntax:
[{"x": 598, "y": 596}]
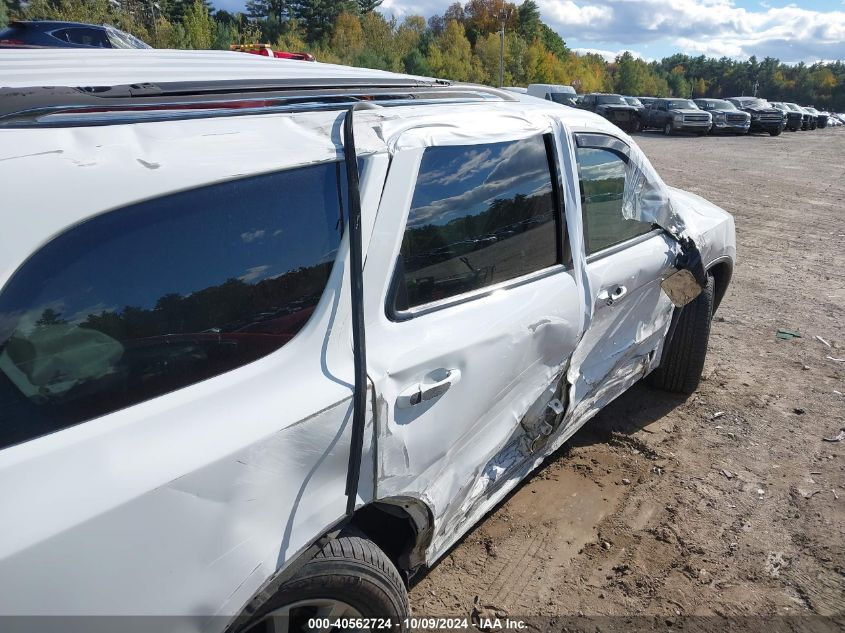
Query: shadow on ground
[{"x": 638, "y": 407}]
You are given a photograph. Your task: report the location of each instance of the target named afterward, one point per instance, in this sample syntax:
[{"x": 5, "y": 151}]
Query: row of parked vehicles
[{"x": 735, "y": 115}]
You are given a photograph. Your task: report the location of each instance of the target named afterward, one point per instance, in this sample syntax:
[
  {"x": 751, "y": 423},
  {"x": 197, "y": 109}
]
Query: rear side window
[
  {"x": 153, "y": 297},
  {"x": 85, "y": 37},
  {"x": 602, "y": 173},
  {"x": 481, "y": 214}
]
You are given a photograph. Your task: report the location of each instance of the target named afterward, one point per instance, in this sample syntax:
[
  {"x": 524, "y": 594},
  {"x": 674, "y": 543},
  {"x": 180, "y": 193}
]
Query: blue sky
[{"x": 792, "y": 31}]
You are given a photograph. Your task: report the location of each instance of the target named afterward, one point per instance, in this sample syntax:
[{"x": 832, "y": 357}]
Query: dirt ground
[{"x": 729, "y": 502}]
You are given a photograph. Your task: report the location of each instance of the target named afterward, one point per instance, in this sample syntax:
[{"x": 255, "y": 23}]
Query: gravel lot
[{"x": 728, "y": 502}]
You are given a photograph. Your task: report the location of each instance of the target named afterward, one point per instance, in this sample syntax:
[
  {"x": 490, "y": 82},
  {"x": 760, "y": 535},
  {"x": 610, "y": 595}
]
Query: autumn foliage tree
[{"x": 463, "y": 44}]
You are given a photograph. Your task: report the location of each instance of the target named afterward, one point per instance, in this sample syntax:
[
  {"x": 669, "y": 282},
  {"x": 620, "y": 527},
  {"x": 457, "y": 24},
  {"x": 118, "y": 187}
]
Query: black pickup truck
[
  {"x": 764, "y": 118},
  {"x": 820, "y": 117},
  {"x": 794, "y": 118},
  {"x": 614, "y": 108},
  {"x": 806, "y": 117},
  {"x": 677, "y": 115}
]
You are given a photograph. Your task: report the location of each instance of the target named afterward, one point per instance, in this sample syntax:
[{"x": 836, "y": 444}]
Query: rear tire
[
  {"x": 683, "y": 359},
  {"x": 350, "y": 577}
]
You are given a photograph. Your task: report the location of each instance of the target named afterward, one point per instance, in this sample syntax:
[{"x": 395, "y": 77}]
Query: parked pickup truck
[
  {"x": 726, "y": 116},
  {"x": 820, "y": 117},
  {"x": 764, "y": 118},
  {"x": 794, "y": 118},
  {"x": 614, "y": 108},
  {"x": 806, "y": 118},
  {"x": 677, "y": 115},
  {"x": 361, "y": 329},
  {"x": 635, "y": 102}
]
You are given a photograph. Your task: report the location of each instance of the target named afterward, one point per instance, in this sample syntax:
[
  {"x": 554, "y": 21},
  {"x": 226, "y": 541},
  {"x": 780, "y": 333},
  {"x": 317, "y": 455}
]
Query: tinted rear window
[
  {"x": 85, "y": 37},
  {"x": 611, "y": 100},
  {"x": 156, "y": 296},
  {"x": 560, "y": 97}
]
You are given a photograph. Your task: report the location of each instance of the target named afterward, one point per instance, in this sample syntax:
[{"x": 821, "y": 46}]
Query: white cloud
[
  {"x": 401, "y": 8},
  {"x": 712, "y": 27},
  {"x": 608, "y": 55},
  {"x": 251, "y": 236},
  {"x": 253, "y": 274}
]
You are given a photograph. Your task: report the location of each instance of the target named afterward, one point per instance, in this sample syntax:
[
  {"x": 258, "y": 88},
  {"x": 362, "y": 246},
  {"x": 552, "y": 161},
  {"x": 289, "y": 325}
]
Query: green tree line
[{"x": 462, "y": 44}]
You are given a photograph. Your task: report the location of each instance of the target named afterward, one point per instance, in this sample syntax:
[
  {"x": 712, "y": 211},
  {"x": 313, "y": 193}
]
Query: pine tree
[
  {"x": 318, "y": 16},
  {"x": 13, "y": 9},
  {"x": 265, "y": 9},
  {"x": 199, "y": 26},
  {"x": 553, "y": 42},
  {"x": 630, "y": 75},
  {"x": 529, "y": 22},
  {"x": 368, "y": 6}
]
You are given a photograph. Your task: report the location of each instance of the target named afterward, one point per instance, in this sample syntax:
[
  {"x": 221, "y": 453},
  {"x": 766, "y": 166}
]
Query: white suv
[{"x": 264, "y": 353}]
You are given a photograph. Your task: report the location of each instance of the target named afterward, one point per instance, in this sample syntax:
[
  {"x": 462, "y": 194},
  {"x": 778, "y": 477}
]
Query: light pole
[
  {"x": 504, "y": 14},
  {"x": 153, "y": 7}
]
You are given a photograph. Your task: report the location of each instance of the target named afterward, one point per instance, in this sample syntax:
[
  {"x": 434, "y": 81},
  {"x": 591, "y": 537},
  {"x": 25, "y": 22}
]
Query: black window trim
[
  {"x": 601, "y": 140},
  {"x": 563, "y": 264},
  {"x": 621, "y": 246}
]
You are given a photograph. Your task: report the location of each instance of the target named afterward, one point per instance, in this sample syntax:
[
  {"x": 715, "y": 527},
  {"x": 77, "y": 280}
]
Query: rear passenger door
[
  {"x": 472, "y": 312},
  {"x": 626, "y": 261}
]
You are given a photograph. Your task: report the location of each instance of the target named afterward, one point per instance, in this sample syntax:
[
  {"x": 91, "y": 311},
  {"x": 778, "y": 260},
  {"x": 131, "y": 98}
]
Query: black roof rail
[{"x": 66, "y": 106}]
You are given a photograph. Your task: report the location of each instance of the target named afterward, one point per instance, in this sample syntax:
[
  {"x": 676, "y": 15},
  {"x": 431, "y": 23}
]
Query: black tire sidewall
[
  {"x": 352, "y": 570},
  {"x": 683, "y": 358}
]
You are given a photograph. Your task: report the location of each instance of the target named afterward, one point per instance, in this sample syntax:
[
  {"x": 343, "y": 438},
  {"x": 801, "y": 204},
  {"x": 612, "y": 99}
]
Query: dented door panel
[
  {"x": 508, "y": 350},
  {"x": 625, "y": 332}
]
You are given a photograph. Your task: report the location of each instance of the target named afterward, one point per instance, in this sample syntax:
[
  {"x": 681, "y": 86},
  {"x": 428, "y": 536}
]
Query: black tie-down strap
[
  {"x": 359, "y": 346},
  {"x": 690, "y": 259}
]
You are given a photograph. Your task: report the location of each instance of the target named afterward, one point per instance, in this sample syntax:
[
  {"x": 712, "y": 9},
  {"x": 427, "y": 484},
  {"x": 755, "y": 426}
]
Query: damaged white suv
[{"x": 274, "y": 335}]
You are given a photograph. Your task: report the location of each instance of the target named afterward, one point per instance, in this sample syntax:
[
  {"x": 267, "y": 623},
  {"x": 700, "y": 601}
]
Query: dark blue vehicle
[{"x": 47, "y": 33}]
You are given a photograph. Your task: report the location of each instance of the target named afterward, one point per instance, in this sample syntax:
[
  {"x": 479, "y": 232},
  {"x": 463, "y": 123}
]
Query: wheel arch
[
  {"x": 722, "y": 271},
  {"x": 401, "y": 527}
]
